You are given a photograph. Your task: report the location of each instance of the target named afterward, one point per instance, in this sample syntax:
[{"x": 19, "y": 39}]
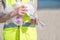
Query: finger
[
  {"x": 33, "y": 21},
  {"x": 23, "y": 6},
  {"x": 22, "y": 12},
  {"x": 37, "y": 20},
  {"x": 16, "y": 10},
  {"x": 23, "y": 9}
]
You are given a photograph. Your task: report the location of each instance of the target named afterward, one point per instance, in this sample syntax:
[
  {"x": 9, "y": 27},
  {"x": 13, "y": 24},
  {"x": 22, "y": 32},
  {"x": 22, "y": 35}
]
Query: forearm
[{"x": 6, "y": 17}]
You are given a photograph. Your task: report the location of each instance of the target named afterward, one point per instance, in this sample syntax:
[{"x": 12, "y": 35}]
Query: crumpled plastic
[{"x": 30, "y": 11}]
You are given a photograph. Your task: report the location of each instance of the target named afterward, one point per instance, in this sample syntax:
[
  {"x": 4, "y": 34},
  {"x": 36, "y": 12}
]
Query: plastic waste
[
  {"x": 17, "y": 20},
  {"x": 30, "y": 11},
  {"x": 9, "y": 8}
]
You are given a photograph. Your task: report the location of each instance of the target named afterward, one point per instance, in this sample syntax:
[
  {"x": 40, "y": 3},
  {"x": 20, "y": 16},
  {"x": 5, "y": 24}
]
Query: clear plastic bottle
[{"x": 17, "y": 20}]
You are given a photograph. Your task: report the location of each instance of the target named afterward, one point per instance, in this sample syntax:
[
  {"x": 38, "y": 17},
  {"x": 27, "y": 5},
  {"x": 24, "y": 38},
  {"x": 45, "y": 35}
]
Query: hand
[
  {"x": 35, "y": 21},
  {"x": 14, "y": 12},
  {"x": 22, "y": 10}
]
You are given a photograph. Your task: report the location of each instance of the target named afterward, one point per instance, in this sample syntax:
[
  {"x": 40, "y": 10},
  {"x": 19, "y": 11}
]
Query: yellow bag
[
  {"x": 25, "y": 1},
  {"x": 10, "y": 33},
  {"x": 28, "y": 33},
  {"x": 10, "y": 2}
]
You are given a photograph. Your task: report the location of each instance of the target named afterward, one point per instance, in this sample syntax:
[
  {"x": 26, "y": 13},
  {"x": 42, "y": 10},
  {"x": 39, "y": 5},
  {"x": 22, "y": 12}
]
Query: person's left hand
[{"x": 35, "y": 21}]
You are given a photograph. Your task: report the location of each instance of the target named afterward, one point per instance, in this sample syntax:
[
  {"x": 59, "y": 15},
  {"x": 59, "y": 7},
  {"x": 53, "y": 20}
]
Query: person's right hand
[
  {"x": 14, "y": 12},
  {"x": 20, "y": 11}
]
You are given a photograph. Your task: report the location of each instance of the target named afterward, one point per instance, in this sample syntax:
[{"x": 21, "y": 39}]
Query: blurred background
[
  {"x": 43, "y": 4},
  {"x": 49, "y": 13}
]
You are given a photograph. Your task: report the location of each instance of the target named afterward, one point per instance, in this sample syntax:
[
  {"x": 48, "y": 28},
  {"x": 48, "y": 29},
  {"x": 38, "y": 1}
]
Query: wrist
[{"x": 12, "y": 14}]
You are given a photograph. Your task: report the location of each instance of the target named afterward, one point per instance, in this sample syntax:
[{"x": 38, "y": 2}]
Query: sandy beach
[{"x": 52, "y": 19}]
